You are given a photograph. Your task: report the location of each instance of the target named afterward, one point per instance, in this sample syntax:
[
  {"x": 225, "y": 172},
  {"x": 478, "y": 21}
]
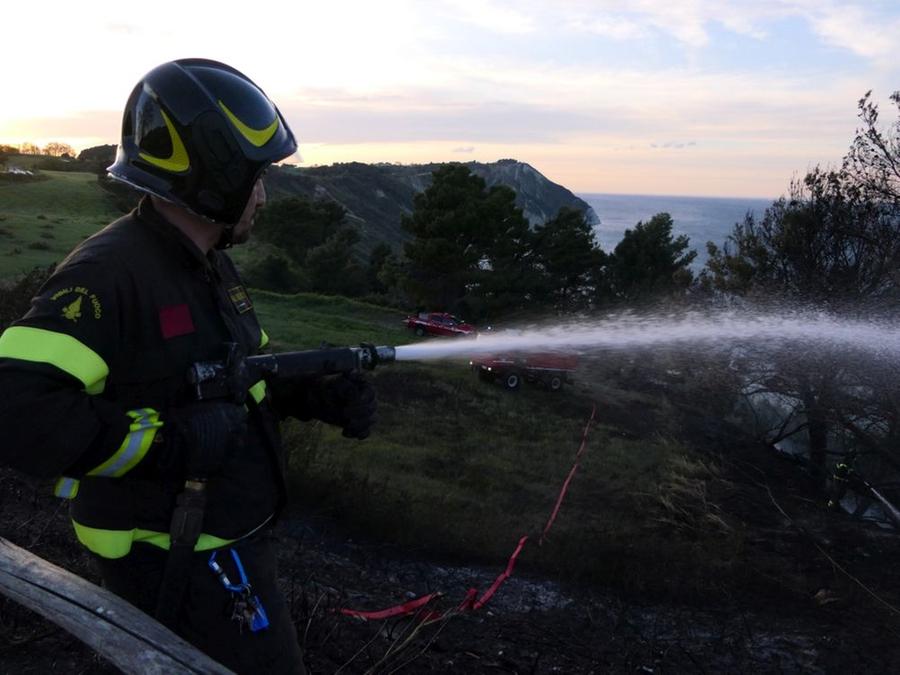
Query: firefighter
[{"x": 173, "y": 498}]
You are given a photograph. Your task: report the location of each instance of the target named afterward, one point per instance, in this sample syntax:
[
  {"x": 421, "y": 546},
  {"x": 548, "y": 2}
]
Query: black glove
[
  {"x": 196, "y": 438},
  {"x": 347, "y": 401}
]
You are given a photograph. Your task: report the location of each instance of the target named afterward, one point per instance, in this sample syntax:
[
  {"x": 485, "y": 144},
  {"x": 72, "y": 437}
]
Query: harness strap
[{"x": 187, "y": 523}]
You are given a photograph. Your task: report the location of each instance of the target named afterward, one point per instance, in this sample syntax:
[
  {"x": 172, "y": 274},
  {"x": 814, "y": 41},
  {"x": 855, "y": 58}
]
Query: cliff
[{"x": 377, "y": 195}]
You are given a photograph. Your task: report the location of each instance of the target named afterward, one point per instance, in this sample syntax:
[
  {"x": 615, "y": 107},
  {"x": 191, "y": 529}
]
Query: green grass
[
  {"x": 306, "y": 320},
  {"x": 70, "y": 203},
  {"x": 463, "y": 468}
]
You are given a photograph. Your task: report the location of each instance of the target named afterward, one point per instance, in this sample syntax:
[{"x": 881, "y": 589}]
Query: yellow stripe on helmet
[
  {"x": 258, "y": 137},
  {"x": 178, "y": 161}
]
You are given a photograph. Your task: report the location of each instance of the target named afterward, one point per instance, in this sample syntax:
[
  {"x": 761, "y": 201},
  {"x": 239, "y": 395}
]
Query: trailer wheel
[
  {"x": 555, "y": 383},
  {"x": 420, "y": 331},
  {"x": 512, "y": 381}
]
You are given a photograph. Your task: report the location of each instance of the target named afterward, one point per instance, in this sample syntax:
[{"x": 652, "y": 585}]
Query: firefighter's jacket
[{"x": 90, "y": 371}]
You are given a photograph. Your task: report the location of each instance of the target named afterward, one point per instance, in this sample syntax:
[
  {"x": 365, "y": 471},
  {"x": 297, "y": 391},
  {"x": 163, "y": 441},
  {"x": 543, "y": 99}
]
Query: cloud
[
  {"x": 617, "y": 28},
  {"x": 467, "y": 149},
  {"x": 427, "y": 115},
  {"x": 492, "y": 16},
  {"x": 674, "y": 145},
  {"x": 857, "y": 30},
  {"x": 124, "y": 28},
  {"x": 866, "y": 29}
]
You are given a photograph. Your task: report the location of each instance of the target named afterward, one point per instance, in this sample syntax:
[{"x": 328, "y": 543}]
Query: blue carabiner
[{"x": 259, "y": 620}]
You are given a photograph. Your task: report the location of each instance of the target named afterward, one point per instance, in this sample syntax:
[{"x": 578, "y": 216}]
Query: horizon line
[{"x": 582, "y": 193}]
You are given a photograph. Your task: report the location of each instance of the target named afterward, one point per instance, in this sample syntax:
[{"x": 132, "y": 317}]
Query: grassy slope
[
  {"x": 456, "y": 466},
  {"x": 42, "y": 221},
  {"x": 463, "y": 468}
]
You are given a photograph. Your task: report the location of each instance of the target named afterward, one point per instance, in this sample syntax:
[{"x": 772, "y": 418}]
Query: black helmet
[{"x": 199, "y": 134}]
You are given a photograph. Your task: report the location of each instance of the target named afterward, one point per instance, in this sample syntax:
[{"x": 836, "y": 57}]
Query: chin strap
[{"x": 226, "y": 240}]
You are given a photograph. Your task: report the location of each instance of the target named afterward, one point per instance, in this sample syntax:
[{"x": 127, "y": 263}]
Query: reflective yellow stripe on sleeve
[
  {"x": 114, "y": 544},
  {"x": 66, "y": 488},
  {"x": 58, "y": 349},
  {"x": 133, "y": 449},
  {"x": 135, "y": 446}
]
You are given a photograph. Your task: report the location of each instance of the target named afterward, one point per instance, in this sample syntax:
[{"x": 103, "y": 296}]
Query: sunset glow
[{"x": 673, "y": 97}]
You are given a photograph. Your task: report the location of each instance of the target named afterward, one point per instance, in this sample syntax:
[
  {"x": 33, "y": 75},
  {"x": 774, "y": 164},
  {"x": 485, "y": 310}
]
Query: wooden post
[{"x": 120, "y": 632}]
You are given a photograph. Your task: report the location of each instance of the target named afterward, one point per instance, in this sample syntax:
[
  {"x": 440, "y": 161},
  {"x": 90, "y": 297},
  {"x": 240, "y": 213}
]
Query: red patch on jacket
[{"x": 175, "y": 320}]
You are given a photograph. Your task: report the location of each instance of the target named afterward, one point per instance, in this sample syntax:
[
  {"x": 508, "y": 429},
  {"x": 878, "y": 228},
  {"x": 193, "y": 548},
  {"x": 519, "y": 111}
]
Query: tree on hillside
[
  {"x": 649, "y": 262},
  {"x": 29, "y": 149},
  {"x": 381, "y": 257},
  {"x": 469, "y": 247},
  {"x": 8, "y": 149},
  {"x": 873, "y": 162},
  {"x": 57, "y": 149},
  {"x": 317, "y": 244},
  {"x": 104, "y": 154},
  {"x": 832, "y": 243},
  {"x": 569, "y": 260},
  {"x": 506, "y": 279},
  {"x": 826, "y": 243},
  {"x": 385, "y": 275},
  {"x": 295, "y": 225},
  {"x": 331, "y": 268},
  {"x": 445, "y": 222}
]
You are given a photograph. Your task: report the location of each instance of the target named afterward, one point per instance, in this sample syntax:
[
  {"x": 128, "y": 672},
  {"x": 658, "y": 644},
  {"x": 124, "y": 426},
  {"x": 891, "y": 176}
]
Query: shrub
[
  {"x": 15, "y": 298},
  {"x": 275, "y": 272}
]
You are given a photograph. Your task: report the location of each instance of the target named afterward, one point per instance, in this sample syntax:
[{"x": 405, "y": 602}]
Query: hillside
[
  {"x": 376, "y": 196},
  {"x": 41, "y": 220}
]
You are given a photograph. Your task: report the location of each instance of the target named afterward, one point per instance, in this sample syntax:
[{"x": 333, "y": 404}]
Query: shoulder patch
[
  {"x": 76, "y": 302},
  {"x": 240, "y": 299}
]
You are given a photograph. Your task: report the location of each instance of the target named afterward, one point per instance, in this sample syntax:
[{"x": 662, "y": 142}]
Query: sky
[{"x": 684, "y": 97}]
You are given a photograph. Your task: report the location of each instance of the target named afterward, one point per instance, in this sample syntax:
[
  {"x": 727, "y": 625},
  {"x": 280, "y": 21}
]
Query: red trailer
[{"x": 549, "y": 369}]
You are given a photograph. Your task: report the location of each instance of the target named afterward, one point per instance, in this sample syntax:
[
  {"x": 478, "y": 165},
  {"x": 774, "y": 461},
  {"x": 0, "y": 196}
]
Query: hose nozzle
[{"x": 371, "y": 356}]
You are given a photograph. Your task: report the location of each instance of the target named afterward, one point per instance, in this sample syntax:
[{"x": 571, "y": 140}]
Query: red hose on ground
[
  {"x": 397, "y": 610},
  {"x": 470, "y": 603},
  {"x": 565, "y": 487}
]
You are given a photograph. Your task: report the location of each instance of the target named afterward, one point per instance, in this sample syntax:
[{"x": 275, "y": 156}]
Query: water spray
[
  {"x": 236, "y": 374},
  {"x": 690, "y": 330}
]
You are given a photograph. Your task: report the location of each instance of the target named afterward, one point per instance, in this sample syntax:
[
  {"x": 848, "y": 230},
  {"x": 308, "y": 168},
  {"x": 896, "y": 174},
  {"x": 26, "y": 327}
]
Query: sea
[{"x": 702, "y": 219}]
